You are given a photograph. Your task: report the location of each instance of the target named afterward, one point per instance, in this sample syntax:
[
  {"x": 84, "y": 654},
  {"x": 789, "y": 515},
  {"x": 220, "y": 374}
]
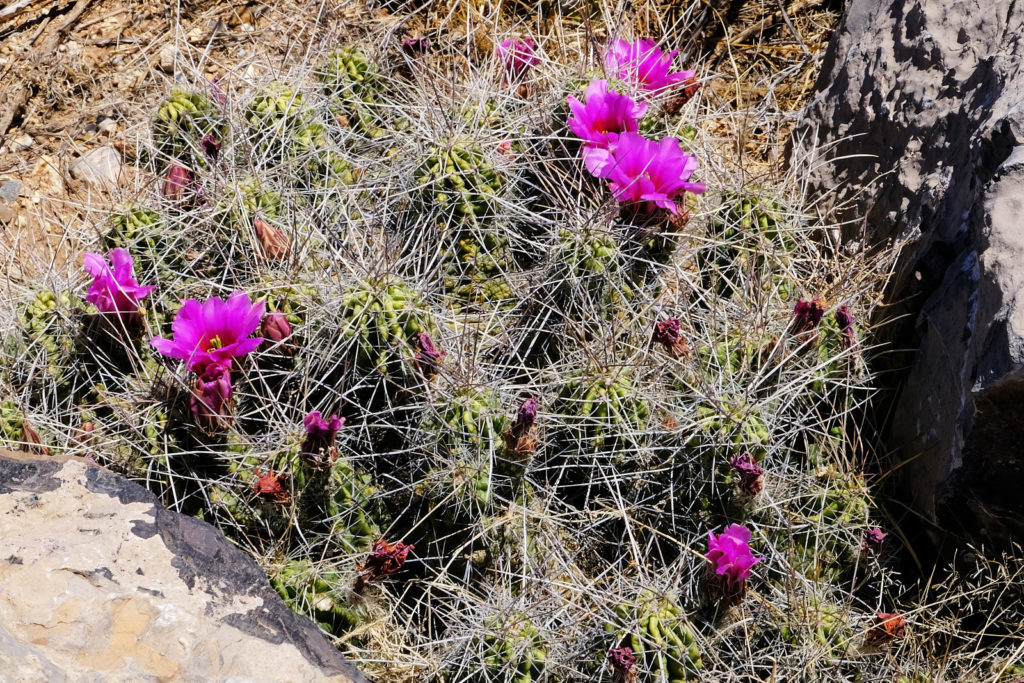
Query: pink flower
[
  {"x": 114, "y": 290},
  {"x": 807, "y": 315},
  {"x": 644, "y": 64},
  {"x": 730, "y": 553},
  {"x": 210, "y": 402},
  {"x": 213, "y": 332},
  {"x": 650, "y": 174},
  {"x": 844, "y": 321},
  {"x": 518, "y": 56},
  {"x": 318, "y": 448},
  {"x": 599, "y": 121},
  {"x": 750, "y": 473},
  {"x": 874, "y": 539}
]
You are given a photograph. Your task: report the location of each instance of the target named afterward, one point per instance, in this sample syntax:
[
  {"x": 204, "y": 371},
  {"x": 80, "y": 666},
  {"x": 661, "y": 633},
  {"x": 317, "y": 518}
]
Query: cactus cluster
[
  {"x": 479, "y": 323},
  {"x": 659, "y": 636},
  {"x": 514, "y": 649}
]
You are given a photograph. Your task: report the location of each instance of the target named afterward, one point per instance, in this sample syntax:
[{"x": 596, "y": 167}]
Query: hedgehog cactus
[
  {"x": 514, "y": 647},
  {"x": 604, "y": 409},
  {"x": 181, "y": 122},
  {"x": 730, "y": 426},
  {"x": 322, "y": 595},
  {"x": 381, "y": 317},
  {"x": 749, "y": 237},
  {"x": 473, "y": 420},
  {"x": 829, "y": 532},
  {"x": 11, "y": 422},
  {"x": 457, "y": 176},
  {"x": 475, "y": 268},
  {"x": 660, "y": 636},
  {"x": 46, "y": 324},
  {"x": 351, "y": 81}
]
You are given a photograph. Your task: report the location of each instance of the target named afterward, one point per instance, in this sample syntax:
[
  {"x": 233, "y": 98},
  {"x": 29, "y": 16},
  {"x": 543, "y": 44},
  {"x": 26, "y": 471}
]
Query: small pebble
[
  {"x": 10, "y": 190},
  {"x": 23, "y": 141}
]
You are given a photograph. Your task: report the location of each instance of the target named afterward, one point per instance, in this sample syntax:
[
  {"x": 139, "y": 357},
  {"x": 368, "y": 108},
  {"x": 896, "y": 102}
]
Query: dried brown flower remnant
[
  {"x": 667, "y": 333},
  {"x": 428, "y": 356},
  {"x": 385, "y": 559},
  {"x": 889, "y": 626},
  {"x": 751, "y": 474},
  {"x": 622, "y": 659},
  {"x": 521, "y": 436}
]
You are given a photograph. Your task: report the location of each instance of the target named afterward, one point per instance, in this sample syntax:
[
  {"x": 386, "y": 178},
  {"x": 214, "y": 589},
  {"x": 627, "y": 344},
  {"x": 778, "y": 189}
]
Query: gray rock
[
  {"x": 10, "y": 190},
  {"x": 924, "y": 103},
  {"x": 102, "y": 582},
  {"x": 100, "y": 167}
]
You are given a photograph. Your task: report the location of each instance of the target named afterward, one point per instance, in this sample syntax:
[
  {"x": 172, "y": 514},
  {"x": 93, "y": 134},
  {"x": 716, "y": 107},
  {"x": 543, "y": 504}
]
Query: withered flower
[{"x": 521, "y": 436}]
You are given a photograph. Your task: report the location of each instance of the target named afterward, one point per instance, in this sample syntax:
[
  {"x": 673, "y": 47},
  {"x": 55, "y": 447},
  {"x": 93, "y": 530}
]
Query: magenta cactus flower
[
  {"x": 518, "y": 56},
  {"x": 730, "y": 553},
  {"x": 874, "y": 539},
  {"x": 644, "y": 64},
  {"x": 650, "y": 174},
  {"x": 599, "y": 121},
  {"x": 213, "y": 332},
  {"x": 844, "y": 321},
  {"x": 751, "y": 474},
  {"x": 318, "y": 448},
  {"x": 114, "y": 289},
  {"x": 210, "y": 402},
  {"x": 807, "y": 315}
]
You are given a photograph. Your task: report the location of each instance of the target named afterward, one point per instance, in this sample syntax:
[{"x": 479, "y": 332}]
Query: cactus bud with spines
[{"x": 660, "y": 636}]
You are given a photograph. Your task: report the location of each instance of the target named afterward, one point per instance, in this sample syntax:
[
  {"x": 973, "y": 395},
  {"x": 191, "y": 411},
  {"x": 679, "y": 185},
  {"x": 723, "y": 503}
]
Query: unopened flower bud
[
  {"x": 177, "y": 183},
  {"x": 210, "y": 402},
  {"x": 275, "y": 245},
  {"x": 275, "y": 327}
]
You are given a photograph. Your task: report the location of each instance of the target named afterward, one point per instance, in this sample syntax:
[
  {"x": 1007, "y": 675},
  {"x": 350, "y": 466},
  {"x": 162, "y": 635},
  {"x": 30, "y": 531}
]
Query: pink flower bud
[
  {"x": 210, "y": 402},
  {"x": 177, "y": 183},
  {"x": 275, "y": 327},
  {"x": 318, "y": 448}
]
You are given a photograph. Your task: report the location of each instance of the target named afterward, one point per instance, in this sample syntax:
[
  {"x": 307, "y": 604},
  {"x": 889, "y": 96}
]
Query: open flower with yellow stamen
[{"x": 213, "y": 332}]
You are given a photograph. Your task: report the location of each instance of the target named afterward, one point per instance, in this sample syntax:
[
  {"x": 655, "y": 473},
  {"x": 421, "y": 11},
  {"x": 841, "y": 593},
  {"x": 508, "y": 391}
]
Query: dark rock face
[
  {"x": 101, "y": 580},
  {"x": 929, "y": 97}
]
